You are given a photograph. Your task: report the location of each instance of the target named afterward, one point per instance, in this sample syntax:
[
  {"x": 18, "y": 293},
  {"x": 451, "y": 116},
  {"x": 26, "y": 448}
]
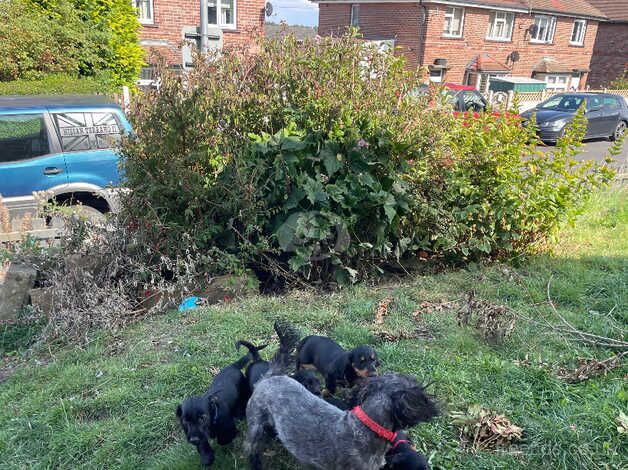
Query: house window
[
  {"x": 557, "y": 82},
  {"x": 454, "y": 20},
  {"x": 578, "y": 32},
  {"x": 543, "y": 29},
  {"x": 144, "y": 11},
  {"x": 355, "y": 15},
  {"x": 222, "y": 13},
  {"x": 500, "y": 26},
  {"x": 436, "y": 76}
]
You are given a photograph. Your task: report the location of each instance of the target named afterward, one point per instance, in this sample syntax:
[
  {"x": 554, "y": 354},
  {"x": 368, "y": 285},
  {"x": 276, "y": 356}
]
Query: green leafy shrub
[
  {"x": 33, "y": 44},
  {"x": 621, "y": 82},
  {"x": 73, "y": 37},
  {"x": 318, "y": 159}
]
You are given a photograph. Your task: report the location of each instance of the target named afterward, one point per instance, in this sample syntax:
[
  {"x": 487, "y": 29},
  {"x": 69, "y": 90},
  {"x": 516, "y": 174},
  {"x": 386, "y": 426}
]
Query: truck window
[
  {"x": 22, "y": 136},
  {"x": 87, "y": 131}
]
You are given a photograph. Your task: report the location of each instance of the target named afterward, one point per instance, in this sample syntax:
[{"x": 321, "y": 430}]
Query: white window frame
[
  {"x": 582, "y": 32},
  {"x": 219, "y": 23},
  {"x": 500, "y": 17},
  {"x": 450, "y": 13},
  {"x": 151, "y": 20},
  {"x": 355, "y": 15},
  {"x": 436, "y": 79},
  {"x": 550, "y": 29},
  {"x": 552, "y": 80}
]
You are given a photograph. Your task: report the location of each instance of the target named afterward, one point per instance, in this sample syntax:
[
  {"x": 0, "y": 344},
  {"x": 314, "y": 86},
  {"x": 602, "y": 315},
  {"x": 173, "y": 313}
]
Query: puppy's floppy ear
[
  {"x": 412, "y": 406},
  {"x": 179, "y": 411}
]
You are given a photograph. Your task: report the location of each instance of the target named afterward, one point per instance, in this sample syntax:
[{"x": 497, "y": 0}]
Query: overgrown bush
[{"x": 317, "y": 160}]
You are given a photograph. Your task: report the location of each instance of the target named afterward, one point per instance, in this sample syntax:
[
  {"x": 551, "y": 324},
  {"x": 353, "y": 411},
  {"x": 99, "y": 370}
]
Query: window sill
[
  {"x": 498, "y": 40},
  {"x": 149, "y": 25},
  {"x": 451, "y": 36},
  {"x": 541, "y": 43},
  {"x": 575, "y": 44}
]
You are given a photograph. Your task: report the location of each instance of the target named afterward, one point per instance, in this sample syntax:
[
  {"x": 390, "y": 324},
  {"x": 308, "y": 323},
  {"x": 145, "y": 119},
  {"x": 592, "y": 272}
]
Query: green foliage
[
  {"x": 317, "y": 159},
  {"x": 55, "y": 84},
  {"x": 33, "y": 44},
  {"x": 621, "y": 82},
  {"x": 499, "y": 194},
  {"x": 73, "y": 37}
]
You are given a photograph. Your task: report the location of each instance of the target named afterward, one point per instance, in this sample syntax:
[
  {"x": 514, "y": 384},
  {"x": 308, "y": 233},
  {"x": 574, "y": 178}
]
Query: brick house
[
  {"x": 610, "y": 52},
  {"x": 167, "y": 25},
  {"x": 470, "y": 41}
]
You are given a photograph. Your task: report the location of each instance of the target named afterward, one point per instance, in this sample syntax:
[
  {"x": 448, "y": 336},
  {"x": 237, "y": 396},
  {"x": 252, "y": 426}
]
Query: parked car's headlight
[{"x": 553, "y": 125}]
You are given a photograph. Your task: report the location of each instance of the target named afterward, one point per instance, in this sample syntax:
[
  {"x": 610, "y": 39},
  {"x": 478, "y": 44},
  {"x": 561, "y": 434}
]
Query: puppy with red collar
[{"x": 403, "y": 455}]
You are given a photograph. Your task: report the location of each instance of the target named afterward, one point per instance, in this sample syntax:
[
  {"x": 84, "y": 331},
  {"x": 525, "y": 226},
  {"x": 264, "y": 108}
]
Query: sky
[{"x": 301, "y": 12}]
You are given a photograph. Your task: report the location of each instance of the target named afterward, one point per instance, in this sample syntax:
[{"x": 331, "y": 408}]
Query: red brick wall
[
  {"x": 401, "y": 21},
  {"x": 172, "y": 15},
  {"x": 398, "y": 21},
  {"x": 610, "y": 54}
]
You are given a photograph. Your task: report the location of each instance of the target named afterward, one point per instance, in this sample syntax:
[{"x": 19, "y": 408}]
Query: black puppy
[
  {"x": 334, "y": 363},
  {"x": 256, "y": 369},
  {"x": 213, "y": 414},
  {"x": 309, "y": 380},
  {"x": 403, "y": 455}
]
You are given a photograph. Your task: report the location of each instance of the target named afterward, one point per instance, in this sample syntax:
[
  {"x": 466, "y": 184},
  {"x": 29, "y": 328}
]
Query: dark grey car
[{"x": 607, "y": 115}]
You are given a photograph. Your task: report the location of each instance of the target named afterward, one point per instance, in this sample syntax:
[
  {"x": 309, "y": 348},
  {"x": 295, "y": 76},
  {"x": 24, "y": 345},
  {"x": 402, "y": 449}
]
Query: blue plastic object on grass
[{"x": 189, "y": 303}]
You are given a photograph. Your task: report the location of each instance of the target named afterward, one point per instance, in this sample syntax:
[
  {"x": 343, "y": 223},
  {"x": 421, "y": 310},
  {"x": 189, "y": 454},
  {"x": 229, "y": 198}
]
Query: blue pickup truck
[{"x": 63, "y": 146}]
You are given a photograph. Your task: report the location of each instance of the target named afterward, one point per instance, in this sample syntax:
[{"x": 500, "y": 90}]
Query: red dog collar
[
  {"x": 366, "y": 420},
  {"x": 399, "y": 442}
]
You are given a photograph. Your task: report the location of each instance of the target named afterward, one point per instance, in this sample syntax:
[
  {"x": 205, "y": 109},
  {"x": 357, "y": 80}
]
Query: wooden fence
[{"x": 530, "y": 100}]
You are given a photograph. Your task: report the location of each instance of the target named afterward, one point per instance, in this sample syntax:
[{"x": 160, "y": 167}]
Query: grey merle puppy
[{"x": 322, "y": 436}]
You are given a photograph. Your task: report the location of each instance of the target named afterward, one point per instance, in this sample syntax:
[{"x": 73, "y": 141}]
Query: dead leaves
[
  {"x": 495, "y": 322},
  {"x": 382, "y": 310},
  {"x": 481, "y": 429},
  {"x": 588, "y": 368}
]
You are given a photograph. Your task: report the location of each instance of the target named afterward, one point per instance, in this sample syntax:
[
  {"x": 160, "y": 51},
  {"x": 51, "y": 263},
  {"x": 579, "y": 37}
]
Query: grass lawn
[{"x": 111, "y": 404}]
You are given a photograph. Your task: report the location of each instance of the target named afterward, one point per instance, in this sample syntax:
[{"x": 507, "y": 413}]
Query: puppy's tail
[
  {"x": 288, "y": 339},
  {"x": 244, "y": 360},
  {"x": 253, "y": 350}
]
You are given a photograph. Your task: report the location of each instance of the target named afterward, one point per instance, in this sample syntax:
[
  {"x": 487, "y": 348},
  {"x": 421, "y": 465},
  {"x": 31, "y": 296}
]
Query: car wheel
[
  {"x": 87, "y": 212},
  {"x": 620, "y": 130}
]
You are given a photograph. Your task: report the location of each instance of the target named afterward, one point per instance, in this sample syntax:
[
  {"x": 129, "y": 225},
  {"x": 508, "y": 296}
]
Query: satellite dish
[
  {"x": 269, "y": 8},
  {"x": 514, "y": 56}
]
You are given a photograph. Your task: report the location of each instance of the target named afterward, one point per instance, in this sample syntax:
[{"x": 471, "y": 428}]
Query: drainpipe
[{"x": 204, "y": 21}]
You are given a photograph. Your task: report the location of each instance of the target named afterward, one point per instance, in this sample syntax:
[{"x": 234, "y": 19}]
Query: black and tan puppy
[
  {"x": 212, "y": 415},
  {"x": 258, "y": 367},
  {"x": 403, "y": 455},
  {"x": 334, "y": 363}
]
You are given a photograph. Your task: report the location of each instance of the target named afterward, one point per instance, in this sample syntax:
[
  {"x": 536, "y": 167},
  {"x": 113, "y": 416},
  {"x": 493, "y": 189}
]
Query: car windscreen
[{"x": 563, "y": 103}]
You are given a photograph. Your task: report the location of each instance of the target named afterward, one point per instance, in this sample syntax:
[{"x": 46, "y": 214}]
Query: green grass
[{"x": 111, "y": 404}]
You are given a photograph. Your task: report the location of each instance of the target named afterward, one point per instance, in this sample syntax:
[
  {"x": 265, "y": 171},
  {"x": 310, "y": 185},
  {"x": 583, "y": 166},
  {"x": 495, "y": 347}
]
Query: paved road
[{"x": 597, "y": 150}]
